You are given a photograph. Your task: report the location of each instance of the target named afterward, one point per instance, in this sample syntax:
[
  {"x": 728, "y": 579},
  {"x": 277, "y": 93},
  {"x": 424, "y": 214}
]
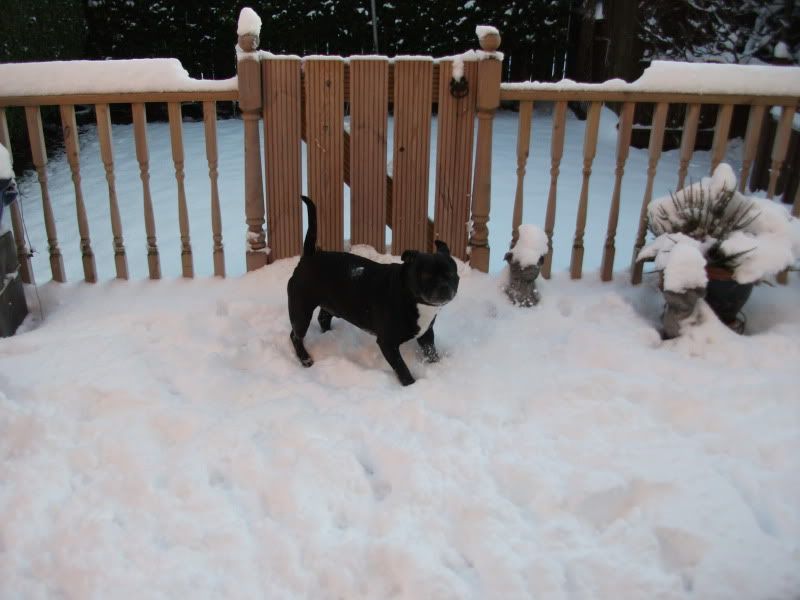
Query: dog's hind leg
[
  {"x": 300, "y": 318},
  {"x": 391, "y": 352},
  {"x": 324, "y": 319},
  {"x": 428, "y": 348}
]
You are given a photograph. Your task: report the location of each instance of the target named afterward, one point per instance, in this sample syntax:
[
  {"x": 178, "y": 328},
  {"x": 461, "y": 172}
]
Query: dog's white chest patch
[{"x": 426, "y": 315}]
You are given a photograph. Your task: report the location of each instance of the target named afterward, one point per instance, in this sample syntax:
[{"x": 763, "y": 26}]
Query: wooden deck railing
[
  {"x": 627, "y": 101},
  {"x": 299, "y": 100}
]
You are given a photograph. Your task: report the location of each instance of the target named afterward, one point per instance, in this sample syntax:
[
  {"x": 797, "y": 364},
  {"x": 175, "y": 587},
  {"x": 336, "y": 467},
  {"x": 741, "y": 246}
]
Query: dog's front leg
[
  {"x": 428, "y": 348},
  {"x": 391, "y": 352}
]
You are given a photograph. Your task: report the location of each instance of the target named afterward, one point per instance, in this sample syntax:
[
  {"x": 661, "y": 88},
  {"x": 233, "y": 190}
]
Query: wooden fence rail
[{"x": 341, "y": 109}]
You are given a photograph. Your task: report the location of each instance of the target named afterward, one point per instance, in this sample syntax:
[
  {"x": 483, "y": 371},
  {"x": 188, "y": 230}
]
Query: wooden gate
[{"x": 341, "y": 108}]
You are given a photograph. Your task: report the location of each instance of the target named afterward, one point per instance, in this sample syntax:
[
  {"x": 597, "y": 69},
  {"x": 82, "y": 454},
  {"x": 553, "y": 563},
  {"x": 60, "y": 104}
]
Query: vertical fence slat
[
  {"x": 143, "y": 158},
  {"x": 688, "y": 138},
  {"x": 523, "y": 150},
  {"x": 779, "y": 147},
  {"x": 413, "y": 89},
  {"x": 456, "y": 122},
  {"x": 369, "y": 98},
  {"x": 210, "y": 131},
  {"x": 324, "y": 81},
  {"x": 69, "y": 129},
  {"x": 754, "y": 122},
  {"x": 39, "y": 154},
  {"x": 589, "y": 151},
  {"x": 654, "y": 153},
  {"x": 556, "y": 152},
  {"x": 721, "y": 131},
  {"x": 176, "y": 139},
  {"x": 283, "y": 155},
  {"x": 103, "y": 116},
  {"x": 623, "y": 147},
  {"x": 23, "y": 255}
]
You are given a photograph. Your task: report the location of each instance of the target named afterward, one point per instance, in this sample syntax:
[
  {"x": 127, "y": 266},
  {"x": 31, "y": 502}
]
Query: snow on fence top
[
  {"x": 249, "y": 22},
  {"x": 689, "y": 78},
  {"x": 103, "y": 77}
]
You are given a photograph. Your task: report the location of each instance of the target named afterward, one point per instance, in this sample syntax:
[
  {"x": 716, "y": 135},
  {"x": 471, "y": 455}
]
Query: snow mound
[
  {"x": 531, "y": 245},
  {"x": 249, "y": 22}
]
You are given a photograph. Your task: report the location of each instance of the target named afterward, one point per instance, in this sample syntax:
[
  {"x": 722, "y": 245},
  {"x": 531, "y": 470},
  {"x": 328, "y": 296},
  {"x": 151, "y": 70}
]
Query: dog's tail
[{"x": 310, "y": 243}]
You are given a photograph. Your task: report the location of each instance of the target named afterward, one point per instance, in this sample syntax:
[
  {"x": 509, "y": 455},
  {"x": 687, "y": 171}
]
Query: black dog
[{"x": 395, "y": 302}]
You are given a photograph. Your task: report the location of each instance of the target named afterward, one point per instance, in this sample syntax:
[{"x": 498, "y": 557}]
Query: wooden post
[
  {"x": 210, "y": 128},
  {"x": 176, "y": 139},
  {"x": 249, "y": 78},
  {"x": 23, "y": 254},
  {"x": 487, "y": 101}
]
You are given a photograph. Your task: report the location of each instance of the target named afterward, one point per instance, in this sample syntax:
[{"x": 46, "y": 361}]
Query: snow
[
  {"x": 686, "y": 268},
  {"x": 484, "y": 30},
  {"x": 691, "y": 78},
  {"x": 782, "y": 51},
  {"x": 162, "y": 435},
  {"x": 249, "y": 22},
  {"x": 531, "y": 245},
  {"x": 776, "y": 111},
  {"x": 6, "y": 171},
  {"x": 103, "y": 77}
]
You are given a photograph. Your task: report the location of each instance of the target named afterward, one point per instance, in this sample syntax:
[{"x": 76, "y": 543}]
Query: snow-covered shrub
[{"x": 710, "y": 224}]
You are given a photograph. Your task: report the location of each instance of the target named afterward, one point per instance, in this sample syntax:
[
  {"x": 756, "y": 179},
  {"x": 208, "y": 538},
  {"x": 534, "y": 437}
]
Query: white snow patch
[
  {"x": 689, "y": 78},
  {"x": 781, "y": 50},
  {"x": 483, "y": 30},
  {"x": 6, "y": 170},
  {"x": 103, "y": 77},
  {"x": 531, "y": 245},
  {"x": 249, "y": 22},
  {"x": 685, "y": 268}
]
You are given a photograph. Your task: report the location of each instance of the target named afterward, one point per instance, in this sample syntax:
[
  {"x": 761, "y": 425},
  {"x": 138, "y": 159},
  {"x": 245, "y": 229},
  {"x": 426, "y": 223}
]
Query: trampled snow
[{"x": 162, "y": 436}]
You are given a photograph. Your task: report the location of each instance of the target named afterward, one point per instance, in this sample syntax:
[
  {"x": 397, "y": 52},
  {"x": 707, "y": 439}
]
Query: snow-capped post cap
[
  {"x": 488, "y": 37},
  {"x": 248, "y": 29}
]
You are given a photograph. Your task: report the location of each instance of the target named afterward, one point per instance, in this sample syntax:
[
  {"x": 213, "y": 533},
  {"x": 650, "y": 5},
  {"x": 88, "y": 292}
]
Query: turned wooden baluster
[
  {"x": 143, "y": 158},
  {"x": 779, "y": 147},
  {"x": 623, "y": 147},
  {"x": 589, "y": 150},
  {"x": 556, "y": 152},
  {"x": 176, "y": 137},
  {"x": 210, "y": 124},
  {"x": 69, "y": 128},
  {"x": 754, "y": 122},
  {"x": 654, "y": 152},
  {"x": 36, "y": 137},
  {"x": 721, "y": 131},
  {"x": 688, "y": 139},
  {"x": 107, "y": 155},
  {"x": 523, "y": 151}
]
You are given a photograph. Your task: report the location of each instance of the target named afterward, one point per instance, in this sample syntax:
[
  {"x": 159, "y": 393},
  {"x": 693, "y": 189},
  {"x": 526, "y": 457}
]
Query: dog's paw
[
  {"x": 430, "y": 355},
  {"x": 307, "y": 362},
  {"x": 407, "y": 381}
]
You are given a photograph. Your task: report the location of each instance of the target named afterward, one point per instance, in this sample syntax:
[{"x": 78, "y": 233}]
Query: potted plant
[{"x": 708, "y": 235}]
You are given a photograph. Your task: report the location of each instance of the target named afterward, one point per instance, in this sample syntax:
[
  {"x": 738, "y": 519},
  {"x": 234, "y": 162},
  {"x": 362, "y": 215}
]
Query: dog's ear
[
  {"x": 442, "y": 247},
  {"x": 409, "y": 255}
]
